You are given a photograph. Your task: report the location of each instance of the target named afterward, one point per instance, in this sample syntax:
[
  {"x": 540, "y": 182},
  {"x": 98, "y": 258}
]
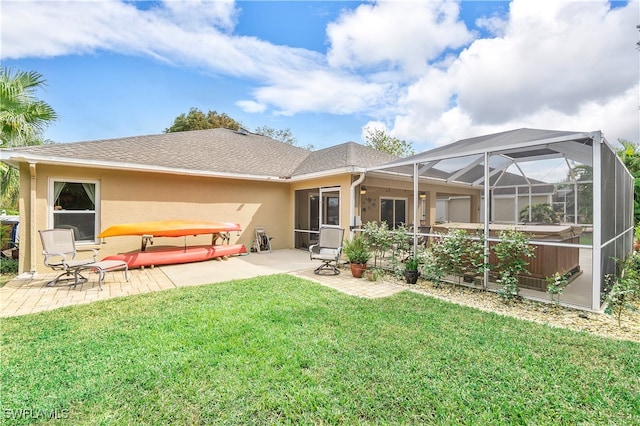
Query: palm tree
[
  {"x": 540, "y": 213},
  {"x": 581, "y": 177},
  {"x": 23, "y": 118}
]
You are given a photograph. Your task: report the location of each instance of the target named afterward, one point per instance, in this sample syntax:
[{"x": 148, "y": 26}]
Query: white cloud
[
  {"x": 252, "y": 106},
  {"x": 555, "y": 56},
  {"x": 549, "y": 64},
  {"x": 405, "y": 35},
  {"x": 186, "y": 34},
  {"x": 494, "y": 24},
  {"x": 559, "y": 65},
  {"x": 321, "y": 91},
  {"x": 221, "y": 14},
  {"x": 373, "y": 126}
]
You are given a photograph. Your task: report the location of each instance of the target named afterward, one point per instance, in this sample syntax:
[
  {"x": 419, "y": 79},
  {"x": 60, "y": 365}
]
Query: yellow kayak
[{"x": 169, "y": 228}]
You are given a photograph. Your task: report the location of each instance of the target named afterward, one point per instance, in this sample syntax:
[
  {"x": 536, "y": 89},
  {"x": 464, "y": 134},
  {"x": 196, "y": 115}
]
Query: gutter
[
  {"x": 16, "y": 160},
  {"x": 352, "y": 203}
]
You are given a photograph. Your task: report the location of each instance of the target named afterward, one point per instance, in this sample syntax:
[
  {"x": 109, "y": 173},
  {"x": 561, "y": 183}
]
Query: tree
[
  {"x": 540, "y": 213},
  {"x": 630, "y": 156},
  {"x": 583, "y": 176},
  {"x": 378, "y": 139},
  {"x": 283, "y": 135},
  {"x": 197, "y": 120},
  {"x": 23, "y": 118}
]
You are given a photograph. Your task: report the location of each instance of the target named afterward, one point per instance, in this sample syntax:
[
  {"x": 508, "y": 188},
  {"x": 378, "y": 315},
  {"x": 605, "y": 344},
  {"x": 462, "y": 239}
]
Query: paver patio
[{"x": 26, "y": 294}]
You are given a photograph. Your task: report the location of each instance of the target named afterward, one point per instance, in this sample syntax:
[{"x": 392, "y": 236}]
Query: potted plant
[
  {"x": 411, "y": 272},
  {"x": 358, "y": 253},
  {"x": 636, "y": 242},
  {"x": 373, "y": 274}
]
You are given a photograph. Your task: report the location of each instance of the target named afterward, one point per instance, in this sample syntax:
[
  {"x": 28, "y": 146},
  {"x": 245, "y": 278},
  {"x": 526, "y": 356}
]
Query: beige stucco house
[
  {"x": 213, "y": 175},
  {"x": 237, "y": 176}
]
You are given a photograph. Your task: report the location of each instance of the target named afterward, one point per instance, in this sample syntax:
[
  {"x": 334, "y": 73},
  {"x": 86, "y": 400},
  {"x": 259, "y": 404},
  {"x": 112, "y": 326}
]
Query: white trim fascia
[
  {"x": 327, "y": 173},
  {"x": 179, "y": 171},
  {"x": 140, "y": 168}
]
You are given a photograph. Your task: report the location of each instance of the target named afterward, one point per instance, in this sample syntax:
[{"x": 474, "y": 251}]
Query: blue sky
[{"x": 429, "y": 72}]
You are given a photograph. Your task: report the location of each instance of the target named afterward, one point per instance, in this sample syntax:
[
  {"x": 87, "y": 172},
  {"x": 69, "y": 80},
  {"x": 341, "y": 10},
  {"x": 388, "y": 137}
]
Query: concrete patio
[{"x": 26, "y": 294}]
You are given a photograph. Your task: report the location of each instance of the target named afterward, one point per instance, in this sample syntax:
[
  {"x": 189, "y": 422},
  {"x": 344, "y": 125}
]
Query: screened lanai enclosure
[{"x": 568, "y": 192}]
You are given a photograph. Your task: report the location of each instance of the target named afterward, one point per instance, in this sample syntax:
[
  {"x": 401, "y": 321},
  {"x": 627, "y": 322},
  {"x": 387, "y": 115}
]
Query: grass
[
  {"x": 283, "y": 350},
  {"x": 586, "y": 238}
]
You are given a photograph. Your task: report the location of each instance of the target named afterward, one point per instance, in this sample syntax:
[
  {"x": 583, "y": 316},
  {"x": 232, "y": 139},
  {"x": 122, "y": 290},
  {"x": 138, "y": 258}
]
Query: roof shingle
[{"x": 210, "y": 151}]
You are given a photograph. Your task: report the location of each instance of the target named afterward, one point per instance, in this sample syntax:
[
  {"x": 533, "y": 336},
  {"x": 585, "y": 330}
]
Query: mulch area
[{"x": 601, "y": 324}]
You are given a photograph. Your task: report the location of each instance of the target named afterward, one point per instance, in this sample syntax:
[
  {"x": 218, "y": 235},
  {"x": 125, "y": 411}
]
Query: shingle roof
[
  {"x": 209, "y": 151},
  {"x": 341, "y": 156}
]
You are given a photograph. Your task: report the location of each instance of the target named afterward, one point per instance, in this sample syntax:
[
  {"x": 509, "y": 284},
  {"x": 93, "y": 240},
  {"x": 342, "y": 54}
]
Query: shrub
[
  {"x": 357, "y": 250},
  {"x": 456, "y": 253},
  {"x": 625, "y": 288},
  {"x": 412, "y": 263},
  {"x": 378, "y": 238},
  {"x": 8, "y": 266},
  {"x": 509, "y": 289},
  {"x": 512, "y": 252},
  {"x": 433, "y": 267},
  {"x": 556, "y": 285}
]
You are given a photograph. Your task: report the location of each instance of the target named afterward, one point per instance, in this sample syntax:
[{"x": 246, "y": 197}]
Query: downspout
[
  {"x": 32, "y": 219},
  {"x": 352, "y": 204}
]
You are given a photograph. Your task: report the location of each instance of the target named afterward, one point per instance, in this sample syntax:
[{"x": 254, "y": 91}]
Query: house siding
[{"x": 139, "y": 197}]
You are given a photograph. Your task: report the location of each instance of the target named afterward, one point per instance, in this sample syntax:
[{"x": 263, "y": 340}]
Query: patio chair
[
  {"x": 328, "y": 249},
  {"x": 59, "y": 249}
]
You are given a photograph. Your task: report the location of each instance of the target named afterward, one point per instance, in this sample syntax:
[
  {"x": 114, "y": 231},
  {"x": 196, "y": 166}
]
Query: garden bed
[{"x": 545, "y": 313}]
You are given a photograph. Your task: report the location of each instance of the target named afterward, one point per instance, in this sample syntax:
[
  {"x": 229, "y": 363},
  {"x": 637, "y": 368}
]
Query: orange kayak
[
  {"x": 169, "y": 228},
  {"x": 174, "y": 255}
]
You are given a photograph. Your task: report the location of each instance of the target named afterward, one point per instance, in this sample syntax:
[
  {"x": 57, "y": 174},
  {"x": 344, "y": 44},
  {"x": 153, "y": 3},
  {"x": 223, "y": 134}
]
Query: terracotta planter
[
  {"x": 357, "y": 269},
  {"x": 636, "y": 245}
]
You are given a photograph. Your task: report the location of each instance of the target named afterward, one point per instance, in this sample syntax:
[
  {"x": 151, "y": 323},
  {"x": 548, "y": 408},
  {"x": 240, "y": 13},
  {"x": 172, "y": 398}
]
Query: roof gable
[{"x": 345, "y": 155}]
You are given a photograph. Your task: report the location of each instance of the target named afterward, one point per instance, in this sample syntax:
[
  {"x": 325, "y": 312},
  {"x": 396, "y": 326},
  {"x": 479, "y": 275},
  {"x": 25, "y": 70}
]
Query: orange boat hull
[
  {"x": 169, "y": 228},
  {"x": 174, "y": 255}
]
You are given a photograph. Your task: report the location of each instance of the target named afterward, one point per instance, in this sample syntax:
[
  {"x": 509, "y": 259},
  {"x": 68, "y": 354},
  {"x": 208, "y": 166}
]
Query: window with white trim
[{"x": 73, "y": 206}]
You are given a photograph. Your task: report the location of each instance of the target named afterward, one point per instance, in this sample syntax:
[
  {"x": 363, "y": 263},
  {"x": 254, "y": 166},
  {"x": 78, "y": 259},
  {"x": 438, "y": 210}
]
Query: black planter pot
[{"x": 411, "y": 276}]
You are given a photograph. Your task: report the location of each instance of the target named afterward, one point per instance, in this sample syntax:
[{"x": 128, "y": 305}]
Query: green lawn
[{"x": 280, "y": 349}]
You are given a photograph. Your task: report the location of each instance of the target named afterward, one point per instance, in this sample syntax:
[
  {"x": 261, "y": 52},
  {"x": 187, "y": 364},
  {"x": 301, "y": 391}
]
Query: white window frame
[
  {"x": 96, "y": 211},
  {"x": 406, "y": 210},
  {"x": 325, "y": 194}
]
